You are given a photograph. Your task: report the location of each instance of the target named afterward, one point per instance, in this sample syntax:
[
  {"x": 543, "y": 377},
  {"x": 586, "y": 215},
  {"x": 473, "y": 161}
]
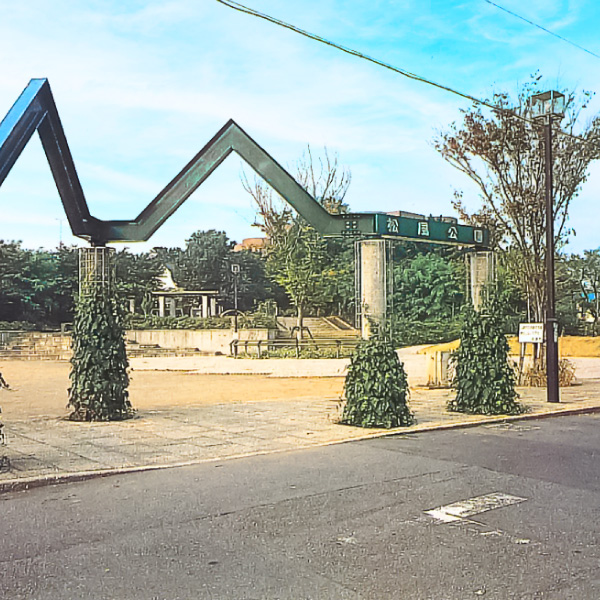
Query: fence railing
[
  {"x": 298, "y": 346},
  {"x": 6, "y": 335}
]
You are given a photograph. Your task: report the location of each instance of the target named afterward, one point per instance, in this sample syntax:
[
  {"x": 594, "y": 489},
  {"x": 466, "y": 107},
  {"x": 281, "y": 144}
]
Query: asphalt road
[{"x": 341, "y": 522}]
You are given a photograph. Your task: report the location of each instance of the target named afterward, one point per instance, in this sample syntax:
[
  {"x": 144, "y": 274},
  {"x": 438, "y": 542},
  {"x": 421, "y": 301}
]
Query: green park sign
[{"x": 409, "y": 226}]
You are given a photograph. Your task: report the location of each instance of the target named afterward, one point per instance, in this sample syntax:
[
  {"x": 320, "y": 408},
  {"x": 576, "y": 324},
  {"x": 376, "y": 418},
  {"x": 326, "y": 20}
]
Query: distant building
[{"x": 253, "y": 244}]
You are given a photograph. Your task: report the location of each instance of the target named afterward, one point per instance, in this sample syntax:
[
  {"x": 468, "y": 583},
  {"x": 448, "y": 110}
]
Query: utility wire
[
  {"x": 250, "y": 11},
  {"x": 244, "y": 9},
  {"x": 556, "y": 35}
]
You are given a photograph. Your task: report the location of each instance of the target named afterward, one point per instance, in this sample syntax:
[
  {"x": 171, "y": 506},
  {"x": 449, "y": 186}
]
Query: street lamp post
[
  {"x": 546, "y": 108},
  {"x": 235, "y": 269}
]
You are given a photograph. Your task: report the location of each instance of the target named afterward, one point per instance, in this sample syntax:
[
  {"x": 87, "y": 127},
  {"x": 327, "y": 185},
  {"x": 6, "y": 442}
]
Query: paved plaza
[{"x": 192, "y": 416}]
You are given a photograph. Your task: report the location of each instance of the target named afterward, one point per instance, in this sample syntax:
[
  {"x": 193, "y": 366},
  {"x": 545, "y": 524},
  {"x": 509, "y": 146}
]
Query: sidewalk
[{"x": 43, "y": 450}]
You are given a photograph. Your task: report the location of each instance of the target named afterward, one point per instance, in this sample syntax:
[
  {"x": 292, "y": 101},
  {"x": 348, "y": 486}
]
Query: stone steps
[
  {"x": 36, "y": 345},
  {"x": 50, "y": 346},
  {"x": 334, "y": 328}
]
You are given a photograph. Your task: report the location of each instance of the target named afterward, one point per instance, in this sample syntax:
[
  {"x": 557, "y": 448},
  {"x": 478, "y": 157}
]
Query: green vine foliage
[
  {"x": 484, "y": 380},
  {"x": 99, "y": 364},
  {"x": 376, "y": 388}
]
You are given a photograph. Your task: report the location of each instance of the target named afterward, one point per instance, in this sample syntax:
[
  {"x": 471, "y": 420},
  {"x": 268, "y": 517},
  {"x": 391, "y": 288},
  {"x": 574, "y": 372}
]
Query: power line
[
  {"x": 556, "y": 35},
  {"x": 250, "y": 11}
]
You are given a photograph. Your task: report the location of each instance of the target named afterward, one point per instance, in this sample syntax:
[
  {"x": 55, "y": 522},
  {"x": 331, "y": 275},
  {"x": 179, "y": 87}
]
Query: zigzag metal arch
[{"x": 35, "y": 110}]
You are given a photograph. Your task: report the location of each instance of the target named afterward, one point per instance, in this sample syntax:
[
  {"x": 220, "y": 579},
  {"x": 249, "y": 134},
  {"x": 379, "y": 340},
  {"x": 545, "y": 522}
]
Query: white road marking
[
  {"x": 347, "y": 540},
  {"x": 473, "y": 506}
]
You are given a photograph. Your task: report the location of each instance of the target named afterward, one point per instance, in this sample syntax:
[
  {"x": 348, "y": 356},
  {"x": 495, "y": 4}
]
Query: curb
[
  {"x": 27, "y": 483},
  {"x": 500, "y": 419}
]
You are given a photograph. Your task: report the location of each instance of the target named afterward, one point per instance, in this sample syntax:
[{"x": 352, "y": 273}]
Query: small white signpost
[{"x": 529, "y": 333}]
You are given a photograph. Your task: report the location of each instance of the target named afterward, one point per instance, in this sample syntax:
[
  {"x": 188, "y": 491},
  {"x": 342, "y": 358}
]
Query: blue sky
[{"x": 142, "y": 86}]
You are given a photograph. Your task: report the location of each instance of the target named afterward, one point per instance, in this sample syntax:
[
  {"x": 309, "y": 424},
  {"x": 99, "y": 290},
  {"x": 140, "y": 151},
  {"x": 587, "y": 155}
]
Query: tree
[
  {"x": 254, "y": 285},
  {"x": 590, "y": 284},
  {"x": 37, "y": 285},
  {"x": 503, "y": 155},
  {"x": 578, "y": 288},
  {"x": 296, "y": 261},
  {"x": 340, "y": 278},
  {"x": 516, "y": 309},
  {"x": 16, "y": 286},
  {"x": 61, "y": 283},
  {"x": 204, "y": 263},
  {"x": 428, "y": 286},
  {"x": 298, "y": 258},
  {"x": 324, "y": 179},
  {"x": 137, "y": 275}
]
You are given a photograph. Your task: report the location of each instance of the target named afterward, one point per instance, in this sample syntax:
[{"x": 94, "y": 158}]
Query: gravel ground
[{"x": 39, "y": 388}]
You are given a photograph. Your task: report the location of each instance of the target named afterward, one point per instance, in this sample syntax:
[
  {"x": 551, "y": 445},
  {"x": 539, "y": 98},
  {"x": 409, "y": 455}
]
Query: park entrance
[{"x": 35, "y": 110}]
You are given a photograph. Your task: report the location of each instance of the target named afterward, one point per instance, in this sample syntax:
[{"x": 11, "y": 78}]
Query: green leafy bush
[
  {"x": 155, "y": 322},
  {"x": 376, "y": 388},
  {"x": 409, "y": 332},
  {"x": 257, "y": 320},
  {"x": 252, "y": 321},
  {"x": 17, "y": 326},
  {"x": 305, "y": 352},
  {"x": 484, "y": 380},
  {"x": 99, "y": 364}
]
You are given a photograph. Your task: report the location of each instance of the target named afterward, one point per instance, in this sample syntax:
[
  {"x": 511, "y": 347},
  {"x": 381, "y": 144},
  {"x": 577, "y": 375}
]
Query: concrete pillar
[
  {"x": 213, "y": 306},
  {"x": 481, "y": 273},
  {"x": 204, "y": 306},
  {"x": 373, "y": 285},
  {"x": 161, "y": 306}
]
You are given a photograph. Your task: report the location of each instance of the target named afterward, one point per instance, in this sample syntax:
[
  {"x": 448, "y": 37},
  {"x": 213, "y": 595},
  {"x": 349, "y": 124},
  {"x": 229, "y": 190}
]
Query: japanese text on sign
[{"x": 532, "y": 333}]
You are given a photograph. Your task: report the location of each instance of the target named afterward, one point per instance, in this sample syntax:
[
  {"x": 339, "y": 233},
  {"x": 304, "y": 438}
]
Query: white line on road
[{"x": 473, "y": 506}]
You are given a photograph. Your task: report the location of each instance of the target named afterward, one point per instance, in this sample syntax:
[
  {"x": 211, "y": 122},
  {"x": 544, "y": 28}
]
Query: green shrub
[
  {"x": 99, "y": 364},
  {"x": 18, "y": 326},
  {"x": 257, "y": 320},
  {"x": 484, "y": 380},
  {"x": 252, "y": 321},
  {"x": 408, "y": 332},
  {"x": 290, "y": 352},
  {"x": 376, "y": 388},
  {"x": 154, "y": 322}
]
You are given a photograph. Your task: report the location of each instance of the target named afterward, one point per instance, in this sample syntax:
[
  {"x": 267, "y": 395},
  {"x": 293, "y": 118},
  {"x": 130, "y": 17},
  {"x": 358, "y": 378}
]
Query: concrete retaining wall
[
  {"x": 38, "y": 345},
  {"x": 207, "y": 340}
]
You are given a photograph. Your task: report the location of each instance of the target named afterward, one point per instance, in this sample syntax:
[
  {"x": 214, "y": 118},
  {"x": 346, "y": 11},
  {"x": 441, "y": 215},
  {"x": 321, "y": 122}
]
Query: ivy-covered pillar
[{"x": 99, "y": 378}]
